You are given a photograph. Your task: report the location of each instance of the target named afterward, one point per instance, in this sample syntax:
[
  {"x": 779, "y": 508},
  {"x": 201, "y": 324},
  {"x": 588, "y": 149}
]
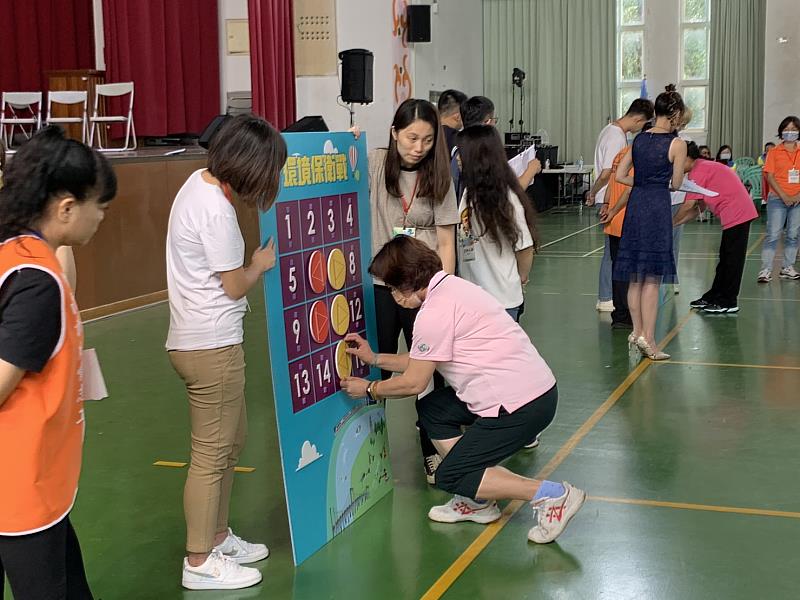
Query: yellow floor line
[
  {"x": 737, "y": 365},
  {"x": 755, "y": 244},
  {"x": 180, "y": 465},
  {"x": 454, "y": 571},
  {"x": 761, "y": 512}
]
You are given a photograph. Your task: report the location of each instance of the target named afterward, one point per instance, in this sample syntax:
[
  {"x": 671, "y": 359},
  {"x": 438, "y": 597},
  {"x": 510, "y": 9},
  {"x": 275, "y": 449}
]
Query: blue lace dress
[{"x": 645, "y": 248}]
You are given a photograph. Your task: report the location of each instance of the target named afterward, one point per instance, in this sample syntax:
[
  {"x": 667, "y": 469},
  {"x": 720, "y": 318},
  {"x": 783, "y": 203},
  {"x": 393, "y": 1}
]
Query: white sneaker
[
  {"x": 553, "y": 514},
  {"x": 789, "y": 273},
  {"x": 533, "y": 444},
  {"x": 461, "y": 508},
  {"x": 605, "y": 306},
  {"x": 241, "y": 551},
  {"x": 218, "y": 573},
  {"x": 764, "y": 276}
]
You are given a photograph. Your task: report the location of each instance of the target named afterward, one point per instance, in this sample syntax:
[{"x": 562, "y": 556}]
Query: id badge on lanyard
[
  {"x": 405, "y": 229},
  {"x": 794, "y": 176}
]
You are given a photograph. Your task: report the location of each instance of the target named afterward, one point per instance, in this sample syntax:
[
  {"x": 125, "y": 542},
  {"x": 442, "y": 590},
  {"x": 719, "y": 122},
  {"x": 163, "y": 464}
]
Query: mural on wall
[{"x": 401, "y": 57}]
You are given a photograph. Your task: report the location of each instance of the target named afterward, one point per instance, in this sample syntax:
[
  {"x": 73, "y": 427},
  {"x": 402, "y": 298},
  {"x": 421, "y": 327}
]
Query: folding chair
[
  {"x": 112, "y": 90},
  {"x": 20, "y": 109},
  {"x": 68, "y": 98}
]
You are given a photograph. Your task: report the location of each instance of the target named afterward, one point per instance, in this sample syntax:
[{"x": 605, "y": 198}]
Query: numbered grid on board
[{"x": 320, "y": 269}]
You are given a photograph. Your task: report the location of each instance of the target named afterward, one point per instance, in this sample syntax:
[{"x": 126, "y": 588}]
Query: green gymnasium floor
[{"x": 690, "y": 465}]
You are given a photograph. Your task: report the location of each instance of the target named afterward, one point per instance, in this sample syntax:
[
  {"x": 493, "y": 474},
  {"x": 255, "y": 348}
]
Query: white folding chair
[
  {"x": 23, "y": 109},
  {"x": 112, "y": 90},
  {"x": 68, "y": 98}
]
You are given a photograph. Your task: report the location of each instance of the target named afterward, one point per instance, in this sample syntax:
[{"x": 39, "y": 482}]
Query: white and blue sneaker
[
  {"x": 241, "y": 551},
  {"x": 218, "y": 572}
]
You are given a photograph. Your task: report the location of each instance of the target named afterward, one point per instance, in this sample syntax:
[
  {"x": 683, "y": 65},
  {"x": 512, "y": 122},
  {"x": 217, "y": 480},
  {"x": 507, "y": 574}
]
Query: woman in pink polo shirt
[
  {"x": 735, "y": 210},
  {"x": 501, "y": 389}
]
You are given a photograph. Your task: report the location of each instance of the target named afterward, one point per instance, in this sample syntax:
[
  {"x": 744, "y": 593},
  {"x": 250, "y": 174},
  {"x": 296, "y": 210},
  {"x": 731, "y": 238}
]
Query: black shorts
[{"x": 487, "y": 441}]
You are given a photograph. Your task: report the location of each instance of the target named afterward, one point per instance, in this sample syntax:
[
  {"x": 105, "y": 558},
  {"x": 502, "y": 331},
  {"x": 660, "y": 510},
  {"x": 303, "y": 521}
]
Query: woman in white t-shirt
[
  {"x": 496, "y": 237},
  {"x": 208, "y": 283}
]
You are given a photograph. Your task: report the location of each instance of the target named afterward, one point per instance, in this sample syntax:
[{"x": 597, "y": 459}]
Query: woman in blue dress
[{"x": 645, "y": 258}]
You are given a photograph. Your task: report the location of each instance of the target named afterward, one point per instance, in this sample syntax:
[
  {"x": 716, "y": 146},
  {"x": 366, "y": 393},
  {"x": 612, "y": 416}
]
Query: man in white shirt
[{"x": 611, "y": 140}]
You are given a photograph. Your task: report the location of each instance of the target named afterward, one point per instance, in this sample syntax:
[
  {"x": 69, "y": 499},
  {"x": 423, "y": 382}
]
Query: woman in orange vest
[{"x": 56, "y": 193}]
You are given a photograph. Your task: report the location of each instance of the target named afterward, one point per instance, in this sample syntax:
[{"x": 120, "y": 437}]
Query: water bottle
[
  {"x": 580, "y": 161},
  {"x": 547, "y": 163}
]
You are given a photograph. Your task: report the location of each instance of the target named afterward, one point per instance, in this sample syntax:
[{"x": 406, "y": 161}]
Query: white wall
[
  {"x": 448, "y": 61},
  {"x": 781, "y": 81},
  {"x": 454, "y": 57},
  {"x": 234, "y": 71},
  {"x": 359, "y": 24}
]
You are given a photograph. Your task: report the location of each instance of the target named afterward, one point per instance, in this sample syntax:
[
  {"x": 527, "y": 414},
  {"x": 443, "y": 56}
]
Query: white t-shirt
[
  {"x": 203, "y": 240},
  {"x": 493, "y": 270},
  {"x": 611, "y": 140}
]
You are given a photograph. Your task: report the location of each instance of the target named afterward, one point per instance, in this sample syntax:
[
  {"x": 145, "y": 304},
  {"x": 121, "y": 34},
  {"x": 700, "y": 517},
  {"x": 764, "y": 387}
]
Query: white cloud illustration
[
  {"x": 329, "y": 148},
  {"x": 308, "y": 454}
]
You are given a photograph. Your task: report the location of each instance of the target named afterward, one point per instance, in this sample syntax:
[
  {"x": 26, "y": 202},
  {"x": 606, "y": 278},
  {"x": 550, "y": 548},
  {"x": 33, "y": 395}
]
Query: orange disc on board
[
  {"x": 316, "y": 271},
  {"x": 318, "y": 321}
]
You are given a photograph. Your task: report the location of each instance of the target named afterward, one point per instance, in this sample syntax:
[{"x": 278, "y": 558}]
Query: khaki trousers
[{"x": 215, "y": 383}]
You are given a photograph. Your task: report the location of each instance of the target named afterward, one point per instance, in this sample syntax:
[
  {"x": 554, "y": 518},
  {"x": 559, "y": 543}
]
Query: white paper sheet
[
  {"x": 690, "y": 186},
  {"x": 94, "y": 385},
  {"x": 520, "y": 162}
]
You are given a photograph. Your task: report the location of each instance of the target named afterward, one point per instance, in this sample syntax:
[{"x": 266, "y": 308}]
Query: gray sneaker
[{"x": 789, "y": 273}]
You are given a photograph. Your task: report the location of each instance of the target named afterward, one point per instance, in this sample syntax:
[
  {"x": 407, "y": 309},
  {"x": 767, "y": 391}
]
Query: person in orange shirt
[
  {"x": 612, "y": 215},
  {"x": 783, "y": 204},
  {"x": 56, "y": 193}
]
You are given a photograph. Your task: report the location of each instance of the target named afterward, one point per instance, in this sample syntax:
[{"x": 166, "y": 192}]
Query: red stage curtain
[
  {"x": 170, "y": 50},
  {"x": 272, "y": 60},
  {"x": 40, "y": 36}
]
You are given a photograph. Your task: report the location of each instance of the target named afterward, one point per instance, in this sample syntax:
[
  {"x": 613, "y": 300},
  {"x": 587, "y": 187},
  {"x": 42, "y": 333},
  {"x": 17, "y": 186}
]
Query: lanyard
[
  {"x": 794, "y": 157},
  {"x": 407, "y": 204}
]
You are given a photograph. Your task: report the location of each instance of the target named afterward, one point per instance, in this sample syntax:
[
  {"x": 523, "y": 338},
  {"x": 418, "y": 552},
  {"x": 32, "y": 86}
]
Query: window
[
  {"x": 695, "y": 42},
  {"x": 630, "y": 51}
]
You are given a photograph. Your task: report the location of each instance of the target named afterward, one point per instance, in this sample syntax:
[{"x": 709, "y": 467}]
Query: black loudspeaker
[
  {"x": 210, "y": 131},
  {"x": 418, "y": 22},
  {"x": 310, "y": 123},
  {"x": 357, "y": 75}
]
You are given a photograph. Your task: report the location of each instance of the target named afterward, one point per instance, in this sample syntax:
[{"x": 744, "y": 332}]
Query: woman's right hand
[
  {"x": 359, "y": 347},
  {"x": 356, "y": 131},
  {"x": 264, "y": 258},
  {"x": 607, "y": 216}
]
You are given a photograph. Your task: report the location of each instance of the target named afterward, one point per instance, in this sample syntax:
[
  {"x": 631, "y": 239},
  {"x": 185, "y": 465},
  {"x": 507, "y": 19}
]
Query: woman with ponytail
[{"x": 646, "y": 258}]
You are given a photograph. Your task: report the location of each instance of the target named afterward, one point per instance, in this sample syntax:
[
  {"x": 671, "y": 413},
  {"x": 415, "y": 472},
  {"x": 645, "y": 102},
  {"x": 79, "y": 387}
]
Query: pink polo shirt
[
  {"x": 734, "y": 205},
  {"x": 482, "y": 353}
]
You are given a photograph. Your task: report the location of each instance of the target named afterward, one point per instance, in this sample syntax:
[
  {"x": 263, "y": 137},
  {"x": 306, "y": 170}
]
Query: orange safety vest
[{"x": 41, "y": 422}]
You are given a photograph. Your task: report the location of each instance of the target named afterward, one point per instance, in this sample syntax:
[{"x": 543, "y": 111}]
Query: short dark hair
[
  {"x": 768, "y": 144},
  {"x": 692, "y": 150},
  {"x": 475, "y": 110},
  {"x": 450, "y": 102},
  {"x": 721, "y": 148},
  {"x": 641, "y": 107},
  {"x": 248, "y": 154},
  {"x": 405, "y": 264},
  {"x": 790, "y": 120},
  {"x": 702, "y": 147},
  {"x": 434, "y": 168}
]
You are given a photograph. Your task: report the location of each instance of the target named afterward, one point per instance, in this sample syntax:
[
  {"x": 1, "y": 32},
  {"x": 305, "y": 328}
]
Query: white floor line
[
  {"x": 592, "y": 252},
  {"x": 125, "y": 312},
  {"x": 561, "y": 239}
]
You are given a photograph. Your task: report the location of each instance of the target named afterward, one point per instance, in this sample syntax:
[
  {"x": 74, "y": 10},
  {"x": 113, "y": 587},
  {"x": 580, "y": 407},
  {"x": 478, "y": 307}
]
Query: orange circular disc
[
  {"x": 318, "y": 321},
  {"x": 316, "y": 271}
]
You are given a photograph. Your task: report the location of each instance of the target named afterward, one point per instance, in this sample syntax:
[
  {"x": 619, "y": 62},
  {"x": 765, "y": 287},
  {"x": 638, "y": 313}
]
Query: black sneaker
[
  {"x": 431, "y": 463},
  {"x": 621, "y": 325},
  {"x": 699, "y": 303},
  {"x": 717, "y": 309}
]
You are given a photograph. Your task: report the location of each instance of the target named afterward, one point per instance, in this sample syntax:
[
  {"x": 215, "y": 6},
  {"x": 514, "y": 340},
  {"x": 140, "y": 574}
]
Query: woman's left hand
[{"x": 355, "y": 387}]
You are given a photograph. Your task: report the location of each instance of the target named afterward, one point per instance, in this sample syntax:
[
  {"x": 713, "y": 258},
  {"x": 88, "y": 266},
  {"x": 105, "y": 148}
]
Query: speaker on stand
[{"x": 357, "y": 65}]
